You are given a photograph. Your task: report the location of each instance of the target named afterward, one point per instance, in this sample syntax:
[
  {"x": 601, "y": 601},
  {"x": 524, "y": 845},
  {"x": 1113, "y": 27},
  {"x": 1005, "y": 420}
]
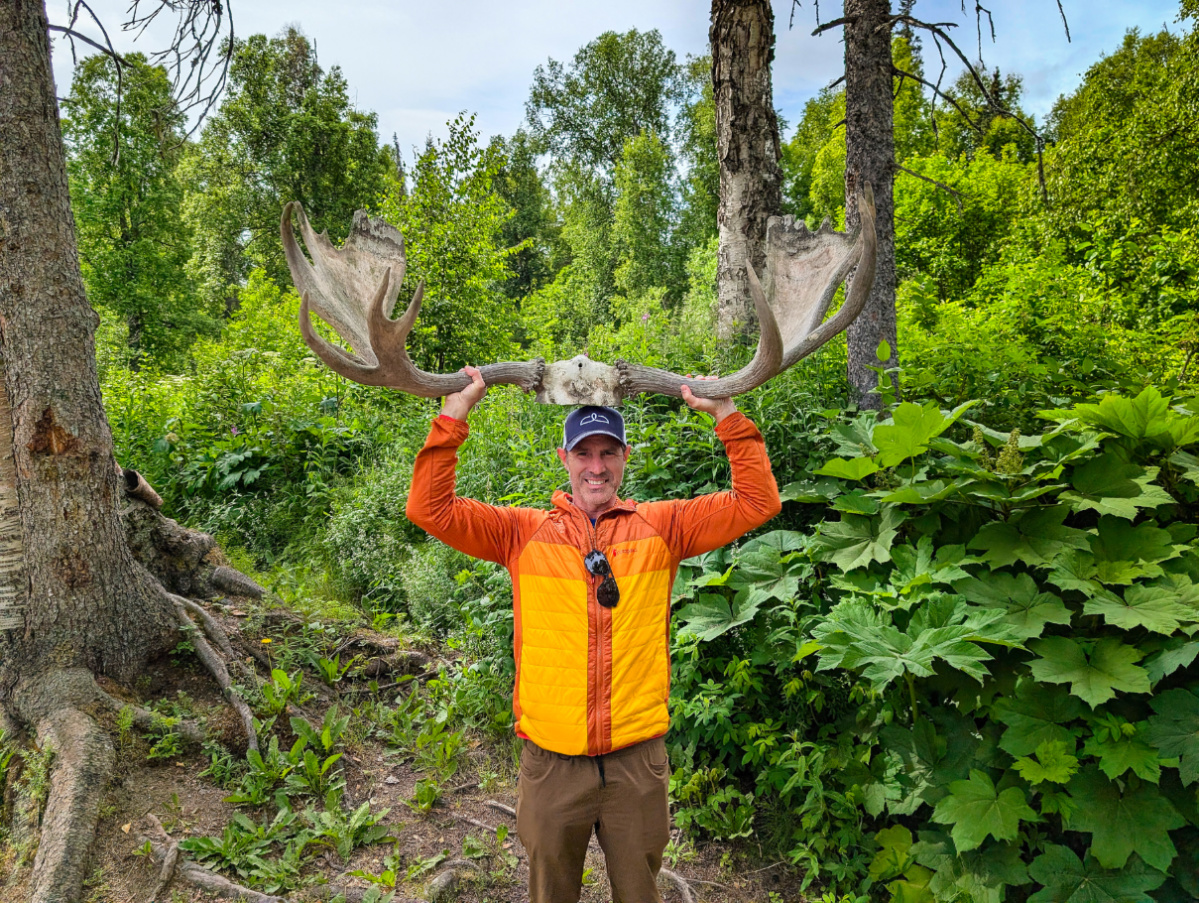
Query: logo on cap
[{"x": 594, "y": 418}]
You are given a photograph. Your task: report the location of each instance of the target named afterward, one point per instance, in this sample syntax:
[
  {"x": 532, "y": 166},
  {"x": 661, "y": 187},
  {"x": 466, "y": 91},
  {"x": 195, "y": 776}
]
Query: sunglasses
[{"x": 597, "y": 565}]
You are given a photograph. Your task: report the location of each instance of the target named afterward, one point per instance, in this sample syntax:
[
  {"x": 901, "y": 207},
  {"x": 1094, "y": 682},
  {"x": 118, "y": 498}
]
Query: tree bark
[
  {"x": 74, "y": 596},
  {"x": 870, "y": 157},
  {"x": 747, "y": 144}
]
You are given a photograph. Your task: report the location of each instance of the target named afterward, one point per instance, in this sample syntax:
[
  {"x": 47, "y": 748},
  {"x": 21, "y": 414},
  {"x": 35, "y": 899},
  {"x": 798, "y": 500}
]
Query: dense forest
[{"x": 959, "y": 666}]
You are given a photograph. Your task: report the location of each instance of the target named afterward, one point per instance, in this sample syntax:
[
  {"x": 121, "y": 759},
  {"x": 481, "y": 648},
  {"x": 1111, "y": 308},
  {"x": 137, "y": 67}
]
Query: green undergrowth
[{"x": 975, "y": 679}]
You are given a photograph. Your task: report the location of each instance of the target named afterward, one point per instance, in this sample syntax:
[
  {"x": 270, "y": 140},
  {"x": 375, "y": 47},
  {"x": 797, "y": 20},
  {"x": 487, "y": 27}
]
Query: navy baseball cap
[{"x": 592, "y": 420}]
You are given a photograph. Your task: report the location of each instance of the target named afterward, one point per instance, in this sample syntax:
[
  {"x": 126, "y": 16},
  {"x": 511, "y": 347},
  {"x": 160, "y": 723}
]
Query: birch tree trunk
[
  {"x": 870, "y": 157},
  {"x": 747, "y": 142}
]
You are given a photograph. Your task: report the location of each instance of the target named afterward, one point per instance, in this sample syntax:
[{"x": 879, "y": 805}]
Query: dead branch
[
  {"x": 474, "y": 821},
  {"x": 500, "y": 807},
  {"x": 217, "y": 668},
  {"x": 957, "y": 195},
  {"x": 836, "y": 23},
  {"x": 137, "y": 487},
  {"x": 680, "y": 883}
]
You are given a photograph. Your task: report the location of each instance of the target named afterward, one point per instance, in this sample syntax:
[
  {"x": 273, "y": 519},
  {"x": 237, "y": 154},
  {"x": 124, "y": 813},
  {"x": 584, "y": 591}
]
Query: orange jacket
[{"x": 591, "y": 679}]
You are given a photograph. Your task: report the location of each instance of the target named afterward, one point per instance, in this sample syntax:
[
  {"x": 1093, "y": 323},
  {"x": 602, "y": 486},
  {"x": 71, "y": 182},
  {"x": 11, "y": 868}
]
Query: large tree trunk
[
  {"x": 73, "y": 602},
  {"x": 747, "y": 142},
  {"x": 870, "y": 157},
  {"x": 87, "y": 603}
]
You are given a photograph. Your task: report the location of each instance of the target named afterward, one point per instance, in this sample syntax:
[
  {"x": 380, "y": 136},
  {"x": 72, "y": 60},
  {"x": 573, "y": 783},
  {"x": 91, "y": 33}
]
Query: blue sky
[{"x": 418, "y": 64}]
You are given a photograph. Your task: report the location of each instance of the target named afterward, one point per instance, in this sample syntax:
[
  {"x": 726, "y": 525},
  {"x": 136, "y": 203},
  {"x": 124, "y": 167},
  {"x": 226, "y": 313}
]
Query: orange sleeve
[
  {"x": 470, "y": 526},
  {"x": 694, "y": 526}
]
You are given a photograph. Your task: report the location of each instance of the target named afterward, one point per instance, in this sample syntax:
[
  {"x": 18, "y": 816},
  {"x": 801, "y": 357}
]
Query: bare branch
[
  {"x": 200, "y": 52},
  {"x": 1065, "y": 24},
  {"x": 834, "y": 83},
  {"x": 76, "y": 36},
  {"x": 957, "y": 195},
  {"x": 836, "y": 23}
]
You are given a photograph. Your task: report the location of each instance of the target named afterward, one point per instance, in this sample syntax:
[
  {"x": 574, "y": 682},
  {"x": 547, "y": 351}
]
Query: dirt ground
[{"x": 472, "y": 804}]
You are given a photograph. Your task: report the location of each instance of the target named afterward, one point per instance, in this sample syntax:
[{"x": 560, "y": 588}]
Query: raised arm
[
  {"x": 694, "y": 526},
  {"x": 470, "y": 526}
]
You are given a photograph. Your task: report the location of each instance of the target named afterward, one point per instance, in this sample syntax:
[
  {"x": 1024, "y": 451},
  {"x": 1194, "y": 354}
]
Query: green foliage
[
  {"x": 614, "y": 88},
  {"x": 286, "y": 131},
  {"x": 126, "y": 192},
  {"x": 987, "y": 633},
  {"x": 451, "y": 219},
  {"x": 642, "y": 216}
]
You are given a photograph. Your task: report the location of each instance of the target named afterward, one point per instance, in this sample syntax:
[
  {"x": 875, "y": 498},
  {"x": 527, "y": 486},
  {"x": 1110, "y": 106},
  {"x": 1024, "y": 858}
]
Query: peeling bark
[
  {"x": 870, "y": 157},
  {"x": 747, "y": 145}
]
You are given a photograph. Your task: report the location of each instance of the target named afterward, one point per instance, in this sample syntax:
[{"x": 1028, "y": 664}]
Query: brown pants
[{"x": 622, "y": 796}]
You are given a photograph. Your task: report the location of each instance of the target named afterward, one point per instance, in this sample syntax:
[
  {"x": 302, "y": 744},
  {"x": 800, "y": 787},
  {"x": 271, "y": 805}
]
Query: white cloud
[{"x": 418, "y": 64}]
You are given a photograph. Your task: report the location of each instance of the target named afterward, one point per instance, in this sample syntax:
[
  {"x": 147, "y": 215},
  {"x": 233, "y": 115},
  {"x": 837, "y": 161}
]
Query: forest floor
[{"x": 471, "y": 820}]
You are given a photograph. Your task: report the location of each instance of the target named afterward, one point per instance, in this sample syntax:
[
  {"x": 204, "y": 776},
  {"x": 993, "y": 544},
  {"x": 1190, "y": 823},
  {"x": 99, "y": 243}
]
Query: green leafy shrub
[{"x": 983, "y": 658}]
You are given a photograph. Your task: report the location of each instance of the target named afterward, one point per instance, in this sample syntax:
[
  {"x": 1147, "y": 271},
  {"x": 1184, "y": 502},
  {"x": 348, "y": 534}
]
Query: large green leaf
[
  {"x": 1174, "y": 730},
  {"x": 1113, "y": 486},
  {"x": 1067, "y": 879},
  {"x": 1122, "y": 753},
  {"x": 1137, "y": 819},
  {"x": 856, "y": 636},
  {"x": 1124, "y": 552},
  {"x": 855, "y": 541},
  {"x": 852, "y": 469},
  {"x": 911, "y": 428},
  {"x": 764, "y": 565},
  {"x": 1178, "y": 653},
  {"x": 1028, "y": 610},
  {"x": 1142, "y": 417},
  {"x": 937, "y": 750},
  {"x": 1035, "y": 537},
  {"x": 1094, "y": 675},
  {"x": 1053, "y": 763},
  {"x": 818, "y": 492},
  {"x": 710, "y": 615},
  {"x": 978, "y": 875},
  {"x": 977, "y": 810},
  {"x": 1155, "y": 608},
  {"x": 1036, "y": 714}
]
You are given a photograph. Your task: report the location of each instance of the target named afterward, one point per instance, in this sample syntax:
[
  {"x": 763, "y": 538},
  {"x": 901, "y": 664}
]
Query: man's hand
[
  {"x": 717, "y": 407},
  {"x": 459, "y": 404}
]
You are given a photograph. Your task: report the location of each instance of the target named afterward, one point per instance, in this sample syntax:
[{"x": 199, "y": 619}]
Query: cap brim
[{"x": 582, "y": 436}]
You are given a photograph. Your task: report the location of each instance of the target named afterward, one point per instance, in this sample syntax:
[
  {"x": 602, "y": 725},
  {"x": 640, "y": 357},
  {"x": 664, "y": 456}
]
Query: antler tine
[
  {"x": 334, "y": 358},
  {"x": 334, "y": 286},
  {"x": 806, "y": 270},
  {"x": 766, "y": 362}
]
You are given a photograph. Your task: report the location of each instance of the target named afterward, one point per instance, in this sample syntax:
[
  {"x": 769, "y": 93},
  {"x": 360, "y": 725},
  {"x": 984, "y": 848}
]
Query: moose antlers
[{"x": 354, "y": 288}]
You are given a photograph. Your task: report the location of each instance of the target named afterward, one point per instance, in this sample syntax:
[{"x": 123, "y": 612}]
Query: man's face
[{"x": 596, "y": 467}]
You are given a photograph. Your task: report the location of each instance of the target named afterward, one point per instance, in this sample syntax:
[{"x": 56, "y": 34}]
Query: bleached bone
[{"x": 354, "y": 289}]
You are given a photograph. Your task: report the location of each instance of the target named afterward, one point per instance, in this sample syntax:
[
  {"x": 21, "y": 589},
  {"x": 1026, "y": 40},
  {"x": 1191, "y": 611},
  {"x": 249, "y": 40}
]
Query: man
[{"x": 591, "y": 582}]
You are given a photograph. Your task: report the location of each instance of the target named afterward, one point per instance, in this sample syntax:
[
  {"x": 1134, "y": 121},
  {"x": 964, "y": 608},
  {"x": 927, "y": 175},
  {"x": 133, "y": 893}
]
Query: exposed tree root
[
  {"x": 82, "y": 764},
  {"x": 680, "y": 884},
  {"x": 235, "y": 583},
  {"x": 217, "y": 668},
  {"x": 170, "y": 861}
]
